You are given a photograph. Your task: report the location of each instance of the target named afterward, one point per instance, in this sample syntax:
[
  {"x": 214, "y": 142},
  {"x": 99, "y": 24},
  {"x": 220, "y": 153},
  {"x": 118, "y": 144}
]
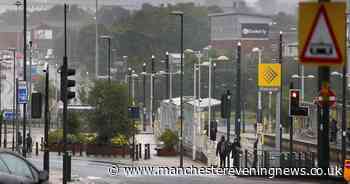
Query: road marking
[{"x": 93, "y": 178}]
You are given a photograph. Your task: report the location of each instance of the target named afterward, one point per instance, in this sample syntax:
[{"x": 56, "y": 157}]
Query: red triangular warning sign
[{"x": 321, "y": 45}]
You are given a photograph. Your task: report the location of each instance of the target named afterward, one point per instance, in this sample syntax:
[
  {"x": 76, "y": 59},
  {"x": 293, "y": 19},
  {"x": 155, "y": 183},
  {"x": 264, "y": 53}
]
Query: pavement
[{"x": 94, "y": 170}]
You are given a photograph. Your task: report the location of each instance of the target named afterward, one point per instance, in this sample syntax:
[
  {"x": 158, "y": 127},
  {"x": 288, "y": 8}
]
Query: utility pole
[
  {"x": 47, "y": 123},
  {"x": 24, "y": 151},
  {"x": 238, "y": 100}
]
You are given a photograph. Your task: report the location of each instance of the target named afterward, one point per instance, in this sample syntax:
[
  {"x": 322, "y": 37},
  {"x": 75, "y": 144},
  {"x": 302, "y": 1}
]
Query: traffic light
[
  {"x": 65, "y": 82},
  {"x": 226, "y": 104},
  {"x": 36, "y": 105},
  {"x": 294, "y": 106}
]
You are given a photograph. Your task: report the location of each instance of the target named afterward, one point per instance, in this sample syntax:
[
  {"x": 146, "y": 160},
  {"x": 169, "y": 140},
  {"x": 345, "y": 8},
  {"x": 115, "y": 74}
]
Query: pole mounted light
[{"x": 181, "y": 14}]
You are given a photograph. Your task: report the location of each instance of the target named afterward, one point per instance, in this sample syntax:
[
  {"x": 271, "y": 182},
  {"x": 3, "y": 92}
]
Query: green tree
[
  {"x": 110, "y": 115},
  {"x": 74, "y": 123}
]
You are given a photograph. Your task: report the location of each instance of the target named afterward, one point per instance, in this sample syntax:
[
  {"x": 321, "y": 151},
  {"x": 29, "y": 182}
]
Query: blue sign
[
  {"x": 134, "y": 112},
  {"x": 22, "y": 92},
  {"x": 8, "y": 116}
]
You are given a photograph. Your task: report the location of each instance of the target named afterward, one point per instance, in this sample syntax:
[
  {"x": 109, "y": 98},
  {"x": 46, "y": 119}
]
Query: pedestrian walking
[
  {"x": 221, "y": 151},
  {"x": 19, "y": 141},
  {"x": 236, "y": 150},
  {"x": 334, "y": 130},
  {"x": 29, "y": 142}
]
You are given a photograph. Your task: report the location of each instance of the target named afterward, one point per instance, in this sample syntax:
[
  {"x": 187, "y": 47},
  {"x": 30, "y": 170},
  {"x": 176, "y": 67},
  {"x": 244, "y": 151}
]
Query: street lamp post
[
  {"x": 14, "y": 98},
  {"x": 180, "y": 14},
  {"x": 152, "y": 90},
  {"x": 168, "y": 76},
  {"x": 259, "y": 113},
  {"x": 108, "y": 38},
  {"x": 24, "y": 151},
  {"x": 46, "y": 132},
  {"x": 238, "y": 100}
]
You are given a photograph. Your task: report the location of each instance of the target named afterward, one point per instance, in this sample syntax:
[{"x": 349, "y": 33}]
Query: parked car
[{"x": 14, "y": 169}]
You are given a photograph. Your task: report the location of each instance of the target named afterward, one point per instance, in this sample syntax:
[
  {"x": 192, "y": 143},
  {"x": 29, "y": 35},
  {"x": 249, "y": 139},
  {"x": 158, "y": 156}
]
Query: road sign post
[{"x": 322, "y": 42}]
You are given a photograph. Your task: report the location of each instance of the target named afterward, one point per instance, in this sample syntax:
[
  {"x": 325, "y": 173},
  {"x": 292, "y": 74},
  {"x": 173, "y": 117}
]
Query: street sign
[
  {"x": 22, "y": 92},
  {"x": 322, "y": 33},
  {"x": 326, "y": 97},
  {"x": 269, "y": 75},
  {"x": 8, "y": 115}
]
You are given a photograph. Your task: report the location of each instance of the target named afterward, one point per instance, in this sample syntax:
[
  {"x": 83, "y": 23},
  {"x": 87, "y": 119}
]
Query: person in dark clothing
[
  {"x": 29, "y": 143},
  {"x": 255, "y": 153},
  {"x": 221, "y": 151},
  {"x": 236, "y": 149},
  {"x": 19, "y": 141},
  {"x": 334, "y": 130}
]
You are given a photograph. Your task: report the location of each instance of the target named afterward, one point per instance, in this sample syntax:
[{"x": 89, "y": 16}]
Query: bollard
[
  {"x": 36, "y": 148},
  {"x": 148, "y": 151},
  {"x": 246, "y": 158},
  {"x": 136, "y": 152},
  {"x": 81, "y": 151},
  {"x": 140, "y": 155},
  {"x": 42, "y": 144},
  {"x": 131, "y": 152},
  {"x": 145, "y": 157}
]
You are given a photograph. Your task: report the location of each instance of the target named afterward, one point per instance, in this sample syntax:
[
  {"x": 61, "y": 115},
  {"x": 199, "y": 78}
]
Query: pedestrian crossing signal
[{"x": 294, "y": 104}]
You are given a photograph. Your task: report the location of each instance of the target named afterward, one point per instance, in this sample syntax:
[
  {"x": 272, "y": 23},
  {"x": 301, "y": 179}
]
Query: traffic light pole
[
  {"x": 24, "y": 151},
  {"x": 64, "y": 97},
  {"x": 323, "y": 133}
]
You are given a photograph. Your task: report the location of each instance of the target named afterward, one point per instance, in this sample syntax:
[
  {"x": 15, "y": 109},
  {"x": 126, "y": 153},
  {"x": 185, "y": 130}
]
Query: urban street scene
[{"x": 174, "y": 91}]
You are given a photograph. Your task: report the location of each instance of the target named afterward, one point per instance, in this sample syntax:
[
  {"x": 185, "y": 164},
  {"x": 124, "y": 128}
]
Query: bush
[
  {"x": 55, "y": 136},
  {"x": 169, "y": 138},
  {"x": 119, "y": 140}
]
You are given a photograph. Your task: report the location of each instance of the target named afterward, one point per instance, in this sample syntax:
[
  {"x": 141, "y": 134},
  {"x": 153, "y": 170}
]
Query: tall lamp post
[
  {"x": 181, "y": 15},
  {"x": 108, "y": 38},
  {"x": 14, "y": 98},
  {"x": 238, "y": 100}
]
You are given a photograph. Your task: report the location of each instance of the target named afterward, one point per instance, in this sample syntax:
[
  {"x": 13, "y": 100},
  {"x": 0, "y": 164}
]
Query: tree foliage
[{"x": 111, "y": 110}]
